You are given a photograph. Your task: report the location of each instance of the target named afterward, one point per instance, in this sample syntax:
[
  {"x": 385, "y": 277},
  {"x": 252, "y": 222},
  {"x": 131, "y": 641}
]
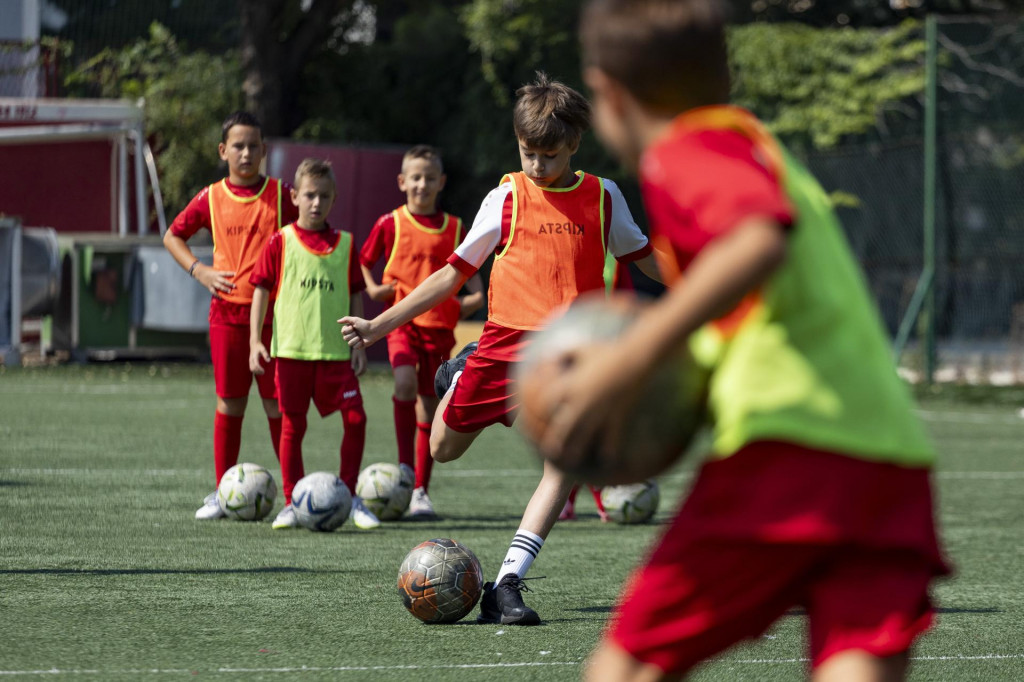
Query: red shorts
[
  {"x": 229, "y": 352},
  {"x": 485, "y": 394},
  {"x": 424, "y": 348},
  {"x": 775, "y": 526},
  {"x": 330, "y": 384}
]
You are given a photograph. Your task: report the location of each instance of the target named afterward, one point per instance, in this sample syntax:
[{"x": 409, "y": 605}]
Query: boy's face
[
  {"x": 244, "y": 151},
  {"x": 421, "y": 180},
  {"x": 314, "y": 198},
  {"x": 611, "y": 124},
  {"x": 547, "y": 167}
]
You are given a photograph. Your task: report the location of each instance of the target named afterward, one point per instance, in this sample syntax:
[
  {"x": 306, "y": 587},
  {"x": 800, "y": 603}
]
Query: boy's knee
[{"x": 354, "y": 417}]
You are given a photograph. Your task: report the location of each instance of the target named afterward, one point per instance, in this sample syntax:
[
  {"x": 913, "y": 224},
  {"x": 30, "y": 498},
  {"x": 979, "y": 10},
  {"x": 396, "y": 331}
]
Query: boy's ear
[
  {"x": 222, "y": 151},
  {"x": 295, "y": 195},
  {"x": 444, "y": 179},
  {"x": 401, "y": 182}
]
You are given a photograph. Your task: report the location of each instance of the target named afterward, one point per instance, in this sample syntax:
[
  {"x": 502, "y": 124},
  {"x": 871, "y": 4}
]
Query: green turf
[{"x": 104, "y": 574}]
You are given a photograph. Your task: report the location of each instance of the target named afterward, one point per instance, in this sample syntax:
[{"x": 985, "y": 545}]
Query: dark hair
[
  {"x": 423, "y": 151},
  {"x": 548, "y": 113},
  {"x": 239, "y": 118},
  {"x": 670, "y": 54},
  {"x": 314, "y": 168}
]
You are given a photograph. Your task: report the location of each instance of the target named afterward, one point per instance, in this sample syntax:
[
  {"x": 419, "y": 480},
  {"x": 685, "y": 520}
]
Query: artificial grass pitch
[{"x": 104, "y": 573}]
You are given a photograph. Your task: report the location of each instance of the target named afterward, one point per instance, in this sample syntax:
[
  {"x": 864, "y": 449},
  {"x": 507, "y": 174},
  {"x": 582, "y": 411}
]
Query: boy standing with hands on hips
[
  {"x": 312, "y": 272},
  {"x": 817, "y": 490},
  {"x": 241, "y": 211},
  {"x": 414, "y": 241}
]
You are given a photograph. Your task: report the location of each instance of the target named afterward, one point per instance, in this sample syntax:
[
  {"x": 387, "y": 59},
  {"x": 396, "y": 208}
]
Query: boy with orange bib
[
  {"x": 414, "y": 241},
  {"x": 817, "y": 489},
  {"x": 241, "y": 211},
  {"x": 550, "y": 229},
  {"x": 312, "y": 273}
]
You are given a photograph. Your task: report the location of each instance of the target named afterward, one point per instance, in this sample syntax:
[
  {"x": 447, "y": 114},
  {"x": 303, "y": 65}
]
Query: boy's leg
[
  {"x": 502, "y": 601},
  {"x": 404, "y": 407},
  {"x": 402, "y": 356},
  {"x": 611, "y": 664},
  {"x": 336, "y": 389},
  {"x": 266, "y": 384},
  {"x": 865, "y": 610},
  {"x": 447, "y": 444},
  {"x": 863, "y": 667}
]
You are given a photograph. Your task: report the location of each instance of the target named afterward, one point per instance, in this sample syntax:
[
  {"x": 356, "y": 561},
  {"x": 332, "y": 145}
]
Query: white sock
[
  {"x": 455, "y": 379},
  {"x": 521, "y": 553}
]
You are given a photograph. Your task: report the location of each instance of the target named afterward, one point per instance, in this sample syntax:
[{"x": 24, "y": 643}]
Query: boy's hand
[
  {"x": 381, "y": 292},
  {"x": 470, "y": 303},
  {"x": 257, "y": 356},
  {"x": 215, "y": 281},
  {"x": 589, "y": 403},
  {"x": 358, "y": 332},
  {"x": 359, "y": 361}
]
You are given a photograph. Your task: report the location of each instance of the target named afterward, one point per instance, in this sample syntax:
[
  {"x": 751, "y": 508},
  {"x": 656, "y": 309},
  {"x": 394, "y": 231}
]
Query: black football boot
[
  {"x": 449, "y": 368},
  {"x": 504, "y": 605}
]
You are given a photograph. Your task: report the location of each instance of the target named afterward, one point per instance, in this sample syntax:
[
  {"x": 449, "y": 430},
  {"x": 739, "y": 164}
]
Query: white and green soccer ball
[
  {"x": 633, "y": 503},
  {"x": 386, "y": 489},
  {"x": 321, "y": 501},
  {"x": 246, "y": 492}
]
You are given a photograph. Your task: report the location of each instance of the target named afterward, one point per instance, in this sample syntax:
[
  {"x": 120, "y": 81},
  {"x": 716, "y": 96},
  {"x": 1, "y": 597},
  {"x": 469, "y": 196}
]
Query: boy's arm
[
  {"x": 649, "y": 266},
  {"x": 474, "y": 300},
  {"x": 443, "y": 284},
  {"x": 214, "y": 281},
  {"x": 590, "y": 402},
  {"x": 257, "y": 314},
  {"x": 377, "y": 292},
  {"x": 355, "y": 308}
]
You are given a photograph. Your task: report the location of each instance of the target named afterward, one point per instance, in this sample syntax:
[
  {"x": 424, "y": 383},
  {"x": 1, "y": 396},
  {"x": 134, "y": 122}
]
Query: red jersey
[
  {"x": 699, "y": 186},
  {"x": 197, "y": 216}
]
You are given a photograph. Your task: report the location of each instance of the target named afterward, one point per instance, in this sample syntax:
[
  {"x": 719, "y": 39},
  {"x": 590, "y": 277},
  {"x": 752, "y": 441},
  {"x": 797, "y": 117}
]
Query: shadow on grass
[
  {"x": 986, "y": 609},
  {"x": 157, "y": 571},
  {"x": 12, "y": 484}
]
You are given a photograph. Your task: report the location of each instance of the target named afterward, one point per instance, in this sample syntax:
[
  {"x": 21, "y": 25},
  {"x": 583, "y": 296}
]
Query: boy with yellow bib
[
  {"x": 309, "y": 269},
  {"x": 816, "y": 492}
]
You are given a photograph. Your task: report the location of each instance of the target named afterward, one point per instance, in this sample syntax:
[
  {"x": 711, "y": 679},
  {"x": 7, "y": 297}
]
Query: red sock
[
  {"x": 424, "y": 462},
  {"x": 405, "y": 429},
  {"x": 572, "y": 494},
  {"x": 293, "y": 428},
  {"x": 275, "y": 435},
  {"x": 352, "y": 444},
  {"x": 596, "y": 492},
  {"x": 227, "y": 441}
]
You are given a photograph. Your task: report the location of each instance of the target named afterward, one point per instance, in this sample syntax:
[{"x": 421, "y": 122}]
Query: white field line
[
  {"x": 453, "y": 666},
  {"x": 957, "y": 417}
]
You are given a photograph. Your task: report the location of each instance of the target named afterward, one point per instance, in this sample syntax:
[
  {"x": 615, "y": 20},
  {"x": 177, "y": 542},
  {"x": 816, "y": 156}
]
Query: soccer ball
[
  {"x": 440, "y": 581},
  {"x": 246, "y": 492},
  {"x": 668, "y": 412},
  {"x": 321, "y": 501},
  {"x": 386, "y": 490},
  {"x": 633, "y": 503}
]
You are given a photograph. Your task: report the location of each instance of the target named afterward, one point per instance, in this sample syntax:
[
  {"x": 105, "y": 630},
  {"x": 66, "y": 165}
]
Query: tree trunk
[{"x": 274, "y": 51}]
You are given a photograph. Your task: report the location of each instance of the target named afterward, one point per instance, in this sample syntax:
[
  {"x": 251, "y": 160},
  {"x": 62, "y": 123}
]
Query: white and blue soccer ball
[
  {"x": 321, "y": 501},
  {"x": 386, "y": 489},
  {"x": 633, "y": 503},
  {"x": 246, "y": 492}
]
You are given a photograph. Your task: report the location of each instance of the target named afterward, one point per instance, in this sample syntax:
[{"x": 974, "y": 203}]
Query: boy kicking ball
[
  {"x": 550, "y": 229},
  {"x": 817, "y": 490}
]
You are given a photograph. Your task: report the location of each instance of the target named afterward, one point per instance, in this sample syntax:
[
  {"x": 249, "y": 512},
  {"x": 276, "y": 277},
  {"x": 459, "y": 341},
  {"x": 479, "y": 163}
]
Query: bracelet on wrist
[{"x": 192, "y": 269}]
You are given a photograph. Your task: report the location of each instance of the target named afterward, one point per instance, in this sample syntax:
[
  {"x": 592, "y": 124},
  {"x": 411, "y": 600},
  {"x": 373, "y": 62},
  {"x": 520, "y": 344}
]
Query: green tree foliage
[
  {"x": 816, "y": 86},
  {"x": 186, "y": 95}
]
